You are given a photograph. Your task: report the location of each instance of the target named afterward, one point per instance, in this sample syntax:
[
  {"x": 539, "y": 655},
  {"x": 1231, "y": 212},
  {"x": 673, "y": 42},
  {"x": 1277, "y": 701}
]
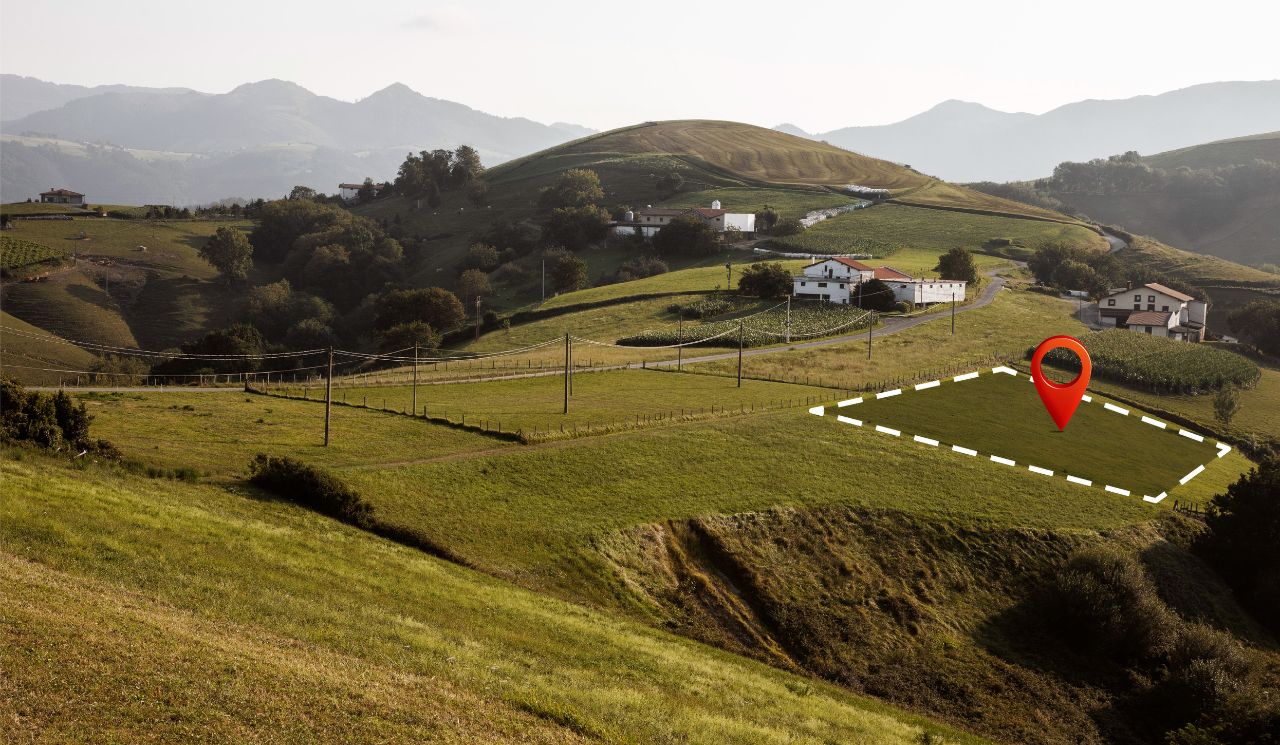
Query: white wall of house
[
  {"x": 833, "y": 268},
  {"x": 740, "y": 221},
  {"x": 823, "y": 288},
  {"x": 926, "y": 291}
]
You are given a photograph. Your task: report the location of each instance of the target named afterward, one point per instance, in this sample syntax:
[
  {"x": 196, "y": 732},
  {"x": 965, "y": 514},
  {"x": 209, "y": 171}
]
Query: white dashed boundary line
[{"x": 1222, "y": 448}]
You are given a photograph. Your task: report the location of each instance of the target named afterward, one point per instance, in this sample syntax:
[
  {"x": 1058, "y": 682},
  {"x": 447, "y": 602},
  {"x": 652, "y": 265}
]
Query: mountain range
[
  {"x": 964, "y": 141},
  {"x": 179, "y": 145}
]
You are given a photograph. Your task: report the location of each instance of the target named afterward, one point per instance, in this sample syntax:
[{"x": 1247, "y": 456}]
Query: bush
[
  {"x": 875, "y": 295},
  {"x": 1242, "y": 542},
  {"x": 1104, "y": 602},
  {"x": 904, "y": 306},
  {"x": 51, "y": 421},
  {"x": 765, "y": 281},
  {"x": 310, "y": 487},
  {"x": 789, "y": 226}
]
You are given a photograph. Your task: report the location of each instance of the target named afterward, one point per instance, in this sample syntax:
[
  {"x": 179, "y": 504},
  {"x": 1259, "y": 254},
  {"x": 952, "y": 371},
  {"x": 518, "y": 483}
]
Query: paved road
[{"x": 1116, "y": 241}]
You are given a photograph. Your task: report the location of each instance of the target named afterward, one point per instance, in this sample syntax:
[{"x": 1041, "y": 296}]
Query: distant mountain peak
[
  {"x": 791, "y": 129},
  {"x": 396, "y": 90},
  {"x": 270, "y": 87}
]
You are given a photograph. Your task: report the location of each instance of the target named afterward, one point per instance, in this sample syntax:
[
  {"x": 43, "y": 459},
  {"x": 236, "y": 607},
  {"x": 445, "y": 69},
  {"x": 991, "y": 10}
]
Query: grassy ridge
[
  {"x": 16, "y": 349},
  {"x": 886, "y": 228},
  {"x": 193, "y": 612},
  {"x": 70, "y": 304}
]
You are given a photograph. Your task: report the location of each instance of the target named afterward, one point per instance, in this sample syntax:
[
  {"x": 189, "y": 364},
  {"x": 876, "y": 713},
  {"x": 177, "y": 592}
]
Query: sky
[{"x": 819, "y": 65}]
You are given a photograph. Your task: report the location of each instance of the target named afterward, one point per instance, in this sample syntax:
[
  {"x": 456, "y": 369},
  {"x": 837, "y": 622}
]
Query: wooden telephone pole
[
  {"x": 566, "y": 372},
  {"x": 953, "y": 314},
  {"x": 739, "y": 354},
  {"x": 328, "y": 398},
  {"x": 680, "y": 342},
  {"x": 415, "y": 378},
  {"x": 869, "y": 327}
]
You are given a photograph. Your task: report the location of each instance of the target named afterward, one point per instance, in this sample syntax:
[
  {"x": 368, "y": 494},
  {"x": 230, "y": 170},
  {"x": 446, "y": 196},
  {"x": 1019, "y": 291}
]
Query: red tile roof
[
  {"x": 60, "y": 193},
  {"x": 708, "y": 212},
  {"x": 1169, "y": 291},
  {"x": 1149, "y": 318},
  {"x": 888, "y": 272}
]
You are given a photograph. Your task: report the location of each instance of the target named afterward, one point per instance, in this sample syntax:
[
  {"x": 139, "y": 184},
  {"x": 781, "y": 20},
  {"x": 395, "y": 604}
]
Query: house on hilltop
[
  {"x": 836, "y": 280},
  {"x": 351, "y": 192},
  {"x": 648, "y": 221},
  {"x": 62, "y": 196},
  {"x": 1155, "y": 310}
]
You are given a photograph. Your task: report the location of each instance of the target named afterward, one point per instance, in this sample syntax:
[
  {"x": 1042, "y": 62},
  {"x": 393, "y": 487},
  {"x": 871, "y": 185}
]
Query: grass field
[
  {"x": 943, "y": 194},
  {"x": 1196, "y": 269},
  {"x": 218, "y": 433},
  {"x": 616, "y": 399},
  {"x": 533, "y": 514},
  {"x": 1004, "y": 329},
  {"x": 70, "y": 304},
  {"x": 886, "y": 228},
  {"x": 694, "y": 279},
  {"x": 997, "y": 414},
  {"x": 176, "y": 612}
]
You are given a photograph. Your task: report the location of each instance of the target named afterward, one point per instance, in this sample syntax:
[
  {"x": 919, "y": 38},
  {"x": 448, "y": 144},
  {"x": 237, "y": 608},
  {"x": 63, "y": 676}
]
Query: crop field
[
  {"x": 18, "y": 252},
  {"x": 808, "y": 320},
  {"x": 600, "y": 401},
  {"x": 886, "y": 228},
  {"x": 1159, "y": 364},
  {"x": 1002, "y": 330},
  {"x": 190, "y": 608},
  {"x": 1258, "y": 406},
  {"x": 1002, "y": 415},
  {"x": 39, "y": 208}
]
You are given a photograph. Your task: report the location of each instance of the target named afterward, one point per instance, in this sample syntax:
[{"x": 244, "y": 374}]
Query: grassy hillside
[
  {"x": 193, "y": 612},
  {"x": 1232, "y": 152},
  {"x": 885, "y": 229},
  {"x": 19, "y": 354},
  {"x": 115, "y": 292}
]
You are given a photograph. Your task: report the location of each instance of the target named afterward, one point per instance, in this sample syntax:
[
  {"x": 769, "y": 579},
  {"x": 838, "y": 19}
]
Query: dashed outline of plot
[{"x": 1222, "y": 448}]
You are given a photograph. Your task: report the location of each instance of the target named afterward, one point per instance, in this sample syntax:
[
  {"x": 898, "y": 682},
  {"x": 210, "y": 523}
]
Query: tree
[
  {"x": 671, "y": 183},
  {"x": 434, "y": 199},
  {"x": 766, "y": 219},
  {"x": 310, "y": 333},
  {"x": 481, "y": 256},
  {"x": 478, "y": 193},
  {"x": 471, "y": 285},
  {"x": 875, "y": 295},
  {"x": 302, "y": 192},
  {"x": 957, "y": 264},
  {"x": 432, "y": 305},
  {"x": 766, "y": 281},
  {"x": 405, "y": 335},
  {"x": 789, "y": 226},
  {"x": 1226, "y": 404},
  {"x": 466, "y": 166},
  {"x": 1076, "y": 275},
  {"x": 566, "y": 271},
  {"x": 367, "y": 191},
  {"x": 686, "y": 234},
  {"x": 230, "y": 252},
  {"x": 575, "y": 228},
  {"x": 1258, "y": 321},
  {"x": 1243, "y": 539},
  {"x": 576, "y": 187}
]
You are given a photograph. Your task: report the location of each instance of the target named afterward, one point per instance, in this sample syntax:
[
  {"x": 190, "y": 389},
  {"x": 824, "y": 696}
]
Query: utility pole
[
  {"x": 788, "y": 319},
  {"x": 953, "y": 314},
  {"x": 415, "y": 378},
  {"x": 728, "y": 282},
  {"x": 680, "y": 342},
  {"x": 739, "y": 354},
  {"x": 477, "y": 318},
  {"x": 328, "y": 398},
  {"x": 544, "y": 279},
  {"x": 869, "y": 327},
  {"x": 566, "y": 372}
]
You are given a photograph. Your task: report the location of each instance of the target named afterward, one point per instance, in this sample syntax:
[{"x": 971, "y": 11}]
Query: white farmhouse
[
  {"x": 650, "y": 220},
  {"x": 1155, "y": 310},
  {"x": 837, "y": 280}
]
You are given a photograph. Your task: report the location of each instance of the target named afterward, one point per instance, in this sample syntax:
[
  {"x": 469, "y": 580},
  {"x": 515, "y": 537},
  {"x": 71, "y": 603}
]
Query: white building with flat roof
[{"x": 837, "y": 280}]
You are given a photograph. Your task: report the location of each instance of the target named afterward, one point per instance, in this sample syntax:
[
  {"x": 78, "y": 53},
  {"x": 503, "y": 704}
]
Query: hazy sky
[{"x": 820, "y": 65}]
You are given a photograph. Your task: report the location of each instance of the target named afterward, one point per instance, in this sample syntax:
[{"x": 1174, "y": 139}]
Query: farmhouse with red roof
[
  {"x": 1155, "y": 310},
  {"x": 836, "y": 280}
]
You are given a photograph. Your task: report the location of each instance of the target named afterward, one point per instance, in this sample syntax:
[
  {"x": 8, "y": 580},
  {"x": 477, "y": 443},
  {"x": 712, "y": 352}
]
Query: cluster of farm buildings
[
  {"x": 1155, "y": 310},
  {"x": 648, "y": 221},
  {"x": 840, "y": 280}
]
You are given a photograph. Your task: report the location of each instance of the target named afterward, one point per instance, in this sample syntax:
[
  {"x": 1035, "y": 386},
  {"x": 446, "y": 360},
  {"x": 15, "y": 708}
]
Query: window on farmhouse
[{"x": 1112, "y": 301}]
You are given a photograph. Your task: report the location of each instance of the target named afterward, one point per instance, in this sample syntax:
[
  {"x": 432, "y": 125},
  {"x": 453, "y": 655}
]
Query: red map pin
[{"x": 1061, "y": 399}]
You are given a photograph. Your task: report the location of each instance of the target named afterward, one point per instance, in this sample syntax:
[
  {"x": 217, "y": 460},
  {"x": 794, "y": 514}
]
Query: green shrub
[
  {"x": 310, "y": 487},
  {"x": 1103, "y": 601},
  {"x": 51, "y": 421}
]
